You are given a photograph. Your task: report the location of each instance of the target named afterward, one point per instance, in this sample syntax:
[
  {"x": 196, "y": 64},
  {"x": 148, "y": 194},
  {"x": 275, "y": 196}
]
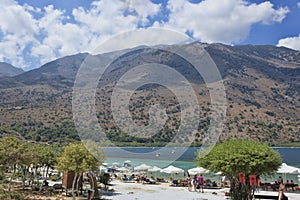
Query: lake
[{"x": 181, "y": 157}]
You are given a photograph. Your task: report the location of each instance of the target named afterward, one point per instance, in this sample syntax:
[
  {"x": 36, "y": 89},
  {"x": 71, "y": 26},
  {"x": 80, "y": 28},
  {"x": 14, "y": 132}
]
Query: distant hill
[
  {"x": 262, "y": 89},
  {"x": 7, "y": 70}
]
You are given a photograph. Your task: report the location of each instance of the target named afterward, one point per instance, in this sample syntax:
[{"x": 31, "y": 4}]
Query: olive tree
[
  {"x": 240, "y": 156},
  {"x": 75, "y": 157},
  {"x": 13, "y": 153},
  {"x": 47, "y": 157}
]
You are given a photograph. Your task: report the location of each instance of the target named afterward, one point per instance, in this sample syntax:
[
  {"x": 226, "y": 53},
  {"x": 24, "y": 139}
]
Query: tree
[
  {"x": 240, "y": 156},
  {"x": 47, "y": 156},
  {"x": 95, "y": 149},
  {"x": 75, "y": 157},
  {"x": 27, "y": 157},
  {"x": 13, "y": 153}
]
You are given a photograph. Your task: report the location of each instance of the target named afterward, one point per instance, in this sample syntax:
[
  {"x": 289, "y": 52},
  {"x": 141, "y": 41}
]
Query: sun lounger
[
  {"x": 291, "y": 186},
  {"x": 128, "y": 180},
  {"x": 161, "y": 180},
  {"x": 257, "y": 196},
  {"x": 149, "y": 182},
  {"x": 273, "y": 187},
  {"x": 210, "y": 187}
]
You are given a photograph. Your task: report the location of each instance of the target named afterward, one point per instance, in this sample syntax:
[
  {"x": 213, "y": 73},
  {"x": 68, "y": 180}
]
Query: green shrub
[
  {"x": 2, "y": 177},
  {"x": 15, "y": 195}
]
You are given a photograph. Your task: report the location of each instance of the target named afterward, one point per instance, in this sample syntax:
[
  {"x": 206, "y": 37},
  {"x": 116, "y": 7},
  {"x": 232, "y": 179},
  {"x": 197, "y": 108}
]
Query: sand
[{"x": 139, "y": 191}]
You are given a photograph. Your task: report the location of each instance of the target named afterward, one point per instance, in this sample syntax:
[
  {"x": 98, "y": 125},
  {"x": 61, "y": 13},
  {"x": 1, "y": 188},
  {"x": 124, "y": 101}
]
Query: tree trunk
[
  {"x": 10, "y": 181},
  {"x": 34, "y": 185},
  {"x": 23, "y": 172},
  {"x": 44, "y": 171},
  {"x": 47, "y": 172},
  {"x": 239, "y": 191},
  {"x": 73, "y": 186},
  {"x": 93, "y": 184},
  {"x": 77, "y": 184}
]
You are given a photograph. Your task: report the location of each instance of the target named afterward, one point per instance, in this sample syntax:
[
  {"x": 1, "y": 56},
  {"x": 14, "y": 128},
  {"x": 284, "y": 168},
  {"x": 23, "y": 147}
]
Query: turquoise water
[{"x": 184, "y": 159}]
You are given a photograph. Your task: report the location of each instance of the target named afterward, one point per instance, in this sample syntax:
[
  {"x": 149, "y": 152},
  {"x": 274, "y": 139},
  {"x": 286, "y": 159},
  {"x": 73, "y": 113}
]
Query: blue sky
[{"x": 35, "y": 32}]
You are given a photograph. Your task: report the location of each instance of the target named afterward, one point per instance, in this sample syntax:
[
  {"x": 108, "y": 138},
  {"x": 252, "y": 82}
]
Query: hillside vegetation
[{"x": 262, "y": 89}]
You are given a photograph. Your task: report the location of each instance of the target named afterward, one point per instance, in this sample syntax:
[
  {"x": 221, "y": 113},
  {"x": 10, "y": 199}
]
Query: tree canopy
[
  {"x": 240, "y": 155},
  {"x": 75, "y": 157}
]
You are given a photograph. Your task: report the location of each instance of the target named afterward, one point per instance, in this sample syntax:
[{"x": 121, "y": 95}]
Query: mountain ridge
[
  {"x": 8, "y": 70},
  {"x": 262, "y": 86}
]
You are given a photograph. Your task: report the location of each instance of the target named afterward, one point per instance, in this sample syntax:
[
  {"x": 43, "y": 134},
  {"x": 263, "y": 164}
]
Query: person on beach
[
  {"x": 189, "y": 183},
  {"x": 201, "y": 183},
  {"x": 195, "y": 183},
  {"x": 223, "y": 181},
  {"x": 258, "y": 183},
  {"x": 281, "y": 195},
  {"x": 292, "y": 184}
]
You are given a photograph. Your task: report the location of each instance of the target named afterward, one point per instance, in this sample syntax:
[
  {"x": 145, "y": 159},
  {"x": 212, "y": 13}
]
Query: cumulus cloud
[
  {"x": 29, "y": 33},
  {"x": 18, "y": 28},
  {"x": 144, "y": 9},
  {"x": 227, "y": 21},
  {"x": 290, "y": 42},
  {"x": 60, "y": 38},
  {"x": 150, "y": 37},
  {"x": 54, "y": 34}
]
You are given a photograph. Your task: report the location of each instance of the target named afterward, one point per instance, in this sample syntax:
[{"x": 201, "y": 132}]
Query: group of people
[
  {"x": 137, "y": 178},
  {"x": 196, "y": 183}
]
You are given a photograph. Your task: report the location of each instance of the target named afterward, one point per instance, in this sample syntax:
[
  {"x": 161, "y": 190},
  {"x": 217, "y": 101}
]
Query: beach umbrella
[
  {"x": 287, "y": 169},
  {"x": 198, "y": 170},
  {"x": 142, "y": 167},
  {"x": 154, "y": 169},
  {"x": 123, "y": 169},
  {"x": 115, "y": 164},
  {"x": 172, "y": 170},
  {"x": 126, "y": 164}
]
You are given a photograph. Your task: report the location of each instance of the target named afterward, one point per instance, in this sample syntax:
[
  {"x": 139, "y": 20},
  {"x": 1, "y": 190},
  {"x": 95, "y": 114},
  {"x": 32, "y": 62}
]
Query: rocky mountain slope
[
  {"x": 262, "y": 86},
  {"x": 7, "y": 70}
]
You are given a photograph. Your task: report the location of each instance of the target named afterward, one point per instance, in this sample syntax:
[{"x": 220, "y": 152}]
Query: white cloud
[
  {"x": 30, "y": 33},
  {"x": 16, "y": 19},
  {"x": 18, "y": 28},
  {"x": 91, "y": 27},
  {"x": 61, "y": 38},
  {"x": 105, "y": 18},
  {"x": 225, "y": 21},
  {"x": 54, "y": 34},
  {"x": 144, "y": 9},
  {"x": 298, "y": 4},
  {"x": 290, "y": 42},
  {"x": 12, "y": 47},
  {"x": 150, "y": 37}
]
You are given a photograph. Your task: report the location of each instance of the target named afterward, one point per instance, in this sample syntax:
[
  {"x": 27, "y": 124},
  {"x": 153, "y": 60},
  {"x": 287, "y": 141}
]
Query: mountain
[
  {"x": 7, "y": 70},
  {"x": 262, "y": 85}
]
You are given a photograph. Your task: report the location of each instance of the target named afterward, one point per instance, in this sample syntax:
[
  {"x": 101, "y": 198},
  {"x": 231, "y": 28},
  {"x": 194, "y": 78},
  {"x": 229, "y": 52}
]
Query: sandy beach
[{"x": 136, "y": 191}]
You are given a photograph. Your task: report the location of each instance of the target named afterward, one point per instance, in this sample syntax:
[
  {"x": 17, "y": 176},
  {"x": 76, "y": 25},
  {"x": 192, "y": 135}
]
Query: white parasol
[
  {"x": 142, "y": 167},
  {"x": 172, "y": 170},
  {"x": 198, "y": 170}
]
